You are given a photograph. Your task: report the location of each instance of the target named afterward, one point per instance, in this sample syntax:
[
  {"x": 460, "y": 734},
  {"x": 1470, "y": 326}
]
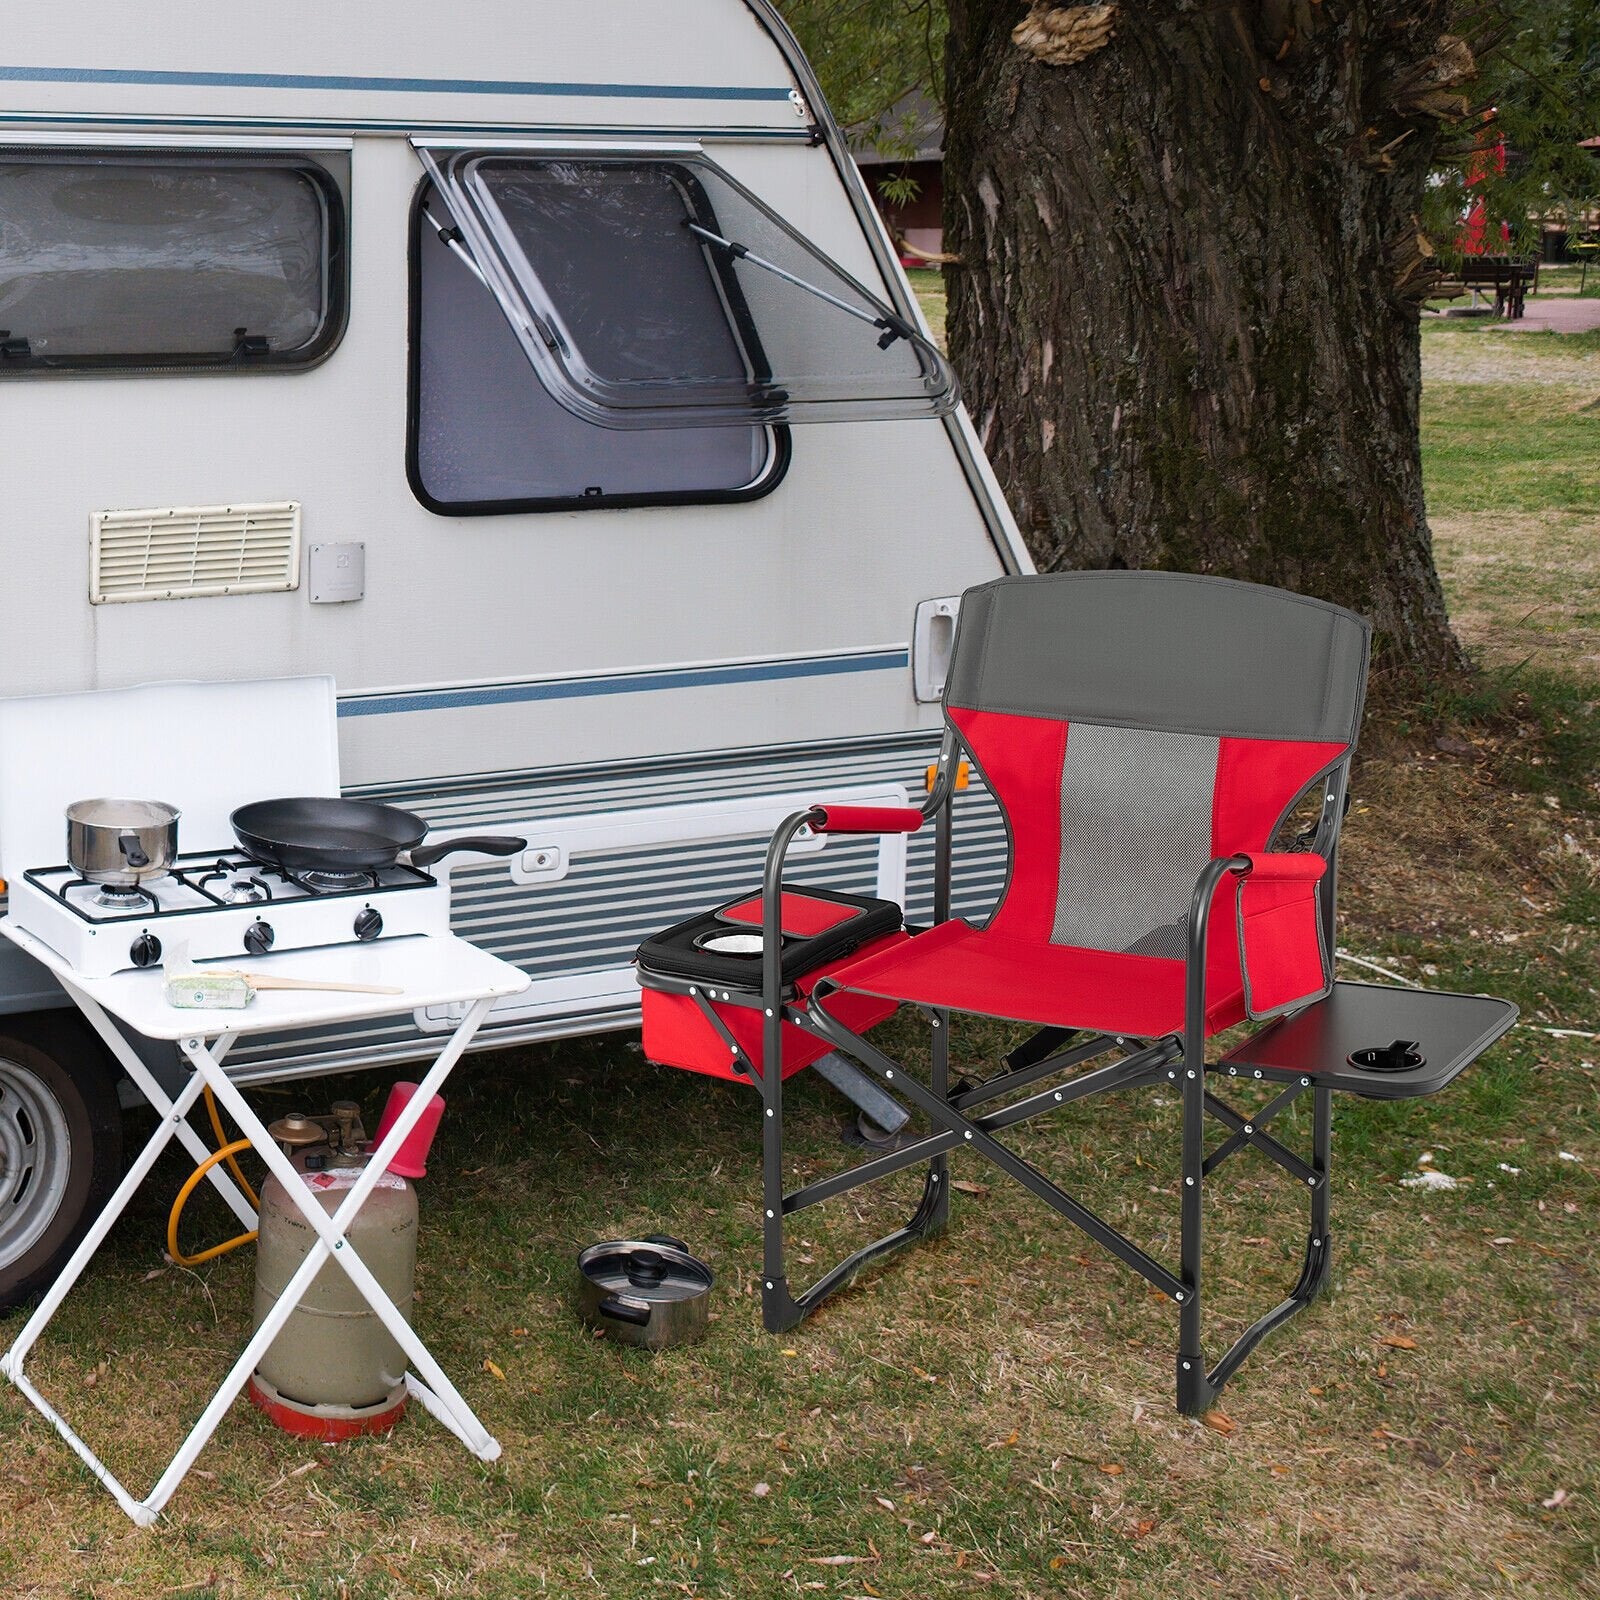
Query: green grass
[
  {"x": 950, "y": 1423},
  {"x": 1511, "y": 449}
]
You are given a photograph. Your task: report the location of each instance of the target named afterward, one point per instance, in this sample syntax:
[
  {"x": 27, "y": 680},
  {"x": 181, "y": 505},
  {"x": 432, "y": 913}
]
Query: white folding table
[{"x": 431, "y": 970}]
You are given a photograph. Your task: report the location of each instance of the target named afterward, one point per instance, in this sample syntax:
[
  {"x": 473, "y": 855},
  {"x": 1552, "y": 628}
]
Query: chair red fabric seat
[{"x": 957, "y": 967}]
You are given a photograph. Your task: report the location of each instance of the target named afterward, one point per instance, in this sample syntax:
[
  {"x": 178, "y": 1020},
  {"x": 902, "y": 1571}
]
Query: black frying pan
[{"x": 319, "y": 834}]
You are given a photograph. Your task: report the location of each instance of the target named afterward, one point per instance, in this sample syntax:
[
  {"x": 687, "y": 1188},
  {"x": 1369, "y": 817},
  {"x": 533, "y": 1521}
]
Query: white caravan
[{"x": 547, "y": 380}]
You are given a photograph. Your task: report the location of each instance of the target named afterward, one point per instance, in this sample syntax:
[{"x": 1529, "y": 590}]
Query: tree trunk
[{"x": 1186, "y": 311}]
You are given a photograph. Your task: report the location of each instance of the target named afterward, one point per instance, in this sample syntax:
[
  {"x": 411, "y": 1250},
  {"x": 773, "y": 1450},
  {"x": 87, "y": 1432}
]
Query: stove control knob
[
  {"x": 258, "y": 938},
  {"x": 145, "y": 951},
  {"x": 369, "y": 924}
]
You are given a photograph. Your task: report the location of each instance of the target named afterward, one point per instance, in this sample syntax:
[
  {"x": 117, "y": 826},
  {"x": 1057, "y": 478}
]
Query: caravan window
[
  {"x": 654, "y": 292},
  {"x": 485, "y": 435},
  {"x": 129, "y": 260}
]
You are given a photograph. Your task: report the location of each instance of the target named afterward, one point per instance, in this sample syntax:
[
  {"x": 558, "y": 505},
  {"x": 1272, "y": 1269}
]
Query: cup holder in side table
[{"x": 1375, "y": 1040}]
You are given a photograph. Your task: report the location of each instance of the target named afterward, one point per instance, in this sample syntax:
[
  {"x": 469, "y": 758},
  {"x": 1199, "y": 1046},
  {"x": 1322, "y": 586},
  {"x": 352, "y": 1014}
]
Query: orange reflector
[{"x": 963, "y": 771}]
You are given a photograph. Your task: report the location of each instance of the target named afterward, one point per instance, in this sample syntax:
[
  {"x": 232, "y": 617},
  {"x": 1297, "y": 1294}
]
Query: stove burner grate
[
  {"x": 235, "y": 890},
  {"x": 325, "y": 879},
  {"x": 119, "y": 896}
]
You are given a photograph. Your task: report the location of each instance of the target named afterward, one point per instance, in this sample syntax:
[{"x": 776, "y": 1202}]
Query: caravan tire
[{"x": 60, "y": 1145}]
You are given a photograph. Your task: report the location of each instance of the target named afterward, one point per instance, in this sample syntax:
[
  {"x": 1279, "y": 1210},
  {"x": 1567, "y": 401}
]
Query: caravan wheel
[{"x": 60, "y": 1146}]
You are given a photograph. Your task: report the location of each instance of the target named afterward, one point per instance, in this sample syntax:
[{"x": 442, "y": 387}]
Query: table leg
[
  {"x": 11, "y": 1364},
  {"x": 437, "y": 1395},
  {"x": 128, "y": 1059}
]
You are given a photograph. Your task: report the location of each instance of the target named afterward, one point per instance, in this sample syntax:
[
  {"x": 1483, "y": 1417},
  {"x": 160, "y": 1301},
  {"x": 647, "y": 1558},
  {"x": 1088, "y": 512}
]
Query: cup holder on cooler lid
[{"x": 730, "y": 942}]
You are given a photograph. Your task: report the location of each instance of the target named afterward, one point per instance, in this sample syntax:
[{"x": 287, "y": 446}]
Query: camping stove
[
  {"x": 213, "y": 747},
  {"x": 221, "y": 906}
]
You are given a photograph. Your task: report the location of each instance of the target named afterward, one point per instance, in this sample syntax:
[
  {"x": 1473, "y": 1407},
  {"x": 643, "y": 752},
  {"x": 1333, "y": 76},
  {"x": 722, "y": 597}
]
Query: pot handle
[
  {"x": 425, "y": 855},
  {"x": 132, "y": 850},
  {"x": 620, "y": 1310}
]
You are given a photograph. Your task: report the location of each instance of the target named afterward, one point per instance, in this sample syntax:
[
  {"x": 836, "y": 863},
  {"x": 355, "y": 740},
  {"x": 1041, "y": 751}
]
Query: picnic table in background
[{"x": 1510, "y": 277}]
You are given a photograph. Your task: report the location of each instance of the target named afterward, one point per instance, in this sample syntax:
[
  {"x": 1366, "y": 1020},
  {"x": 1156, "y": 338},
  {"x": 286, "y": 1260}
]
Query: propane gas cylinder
[{"x": 334, "y": 1369}]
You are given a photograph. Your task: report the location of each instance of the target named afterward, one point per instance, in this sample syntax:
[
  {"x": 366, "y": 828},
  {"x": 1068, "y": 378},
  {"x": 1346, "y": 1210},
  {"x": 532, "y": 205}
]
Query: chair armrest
[
  {"x": 864, "y": 819},
  {"x": 1277, "y": 867}
]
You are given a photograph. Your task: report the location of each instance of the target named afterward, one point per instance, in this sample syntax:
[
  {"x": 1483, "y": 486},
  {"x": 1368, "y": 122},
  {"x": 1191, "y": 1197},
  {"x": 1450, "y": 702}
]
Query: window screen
[
  {"x": 654, "y": 292},
  {"x": 486, "y": 436},
  {"x": 128, "y": 260}
]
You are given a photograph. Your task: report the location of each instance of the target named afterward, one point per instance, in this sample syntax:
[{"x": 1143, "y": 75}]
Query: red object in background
[
  {"x": 1488, "y": 161},
  {"x": 411, "y": 1159}
]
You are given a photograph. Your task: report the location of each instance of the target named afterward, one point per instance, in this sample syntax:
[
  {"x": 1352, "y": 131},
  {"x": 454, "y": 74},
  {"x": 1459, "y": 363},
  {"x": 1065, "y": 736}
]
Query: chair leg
[
  {"x": 936, "y": 1193},
  {"x": 1195, "y": 1390},
  {"x": 1195, "y": 1385},
  {"x": 780, "y": 1309}
]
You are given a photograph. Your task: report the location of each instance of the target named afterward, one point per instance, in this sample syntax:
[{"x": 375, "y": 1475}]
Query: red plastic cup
[{"x": 411, "y": 1159}]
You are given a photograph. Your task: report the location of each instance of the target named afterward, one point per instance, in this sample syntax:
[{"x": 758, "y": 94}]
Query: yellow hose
[
  {"x": 227, "y": 1152},
  {"x": 233, "y": 1166}
]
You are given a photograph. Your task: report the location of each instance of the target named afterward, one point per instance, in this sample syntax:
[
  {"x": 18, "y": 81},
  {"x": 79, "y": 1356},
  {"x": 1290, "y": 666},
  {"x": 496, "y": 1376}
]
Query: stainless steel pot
[
  {"x": 121, "y": 842},
  {"x": 649, "y": 1292}
]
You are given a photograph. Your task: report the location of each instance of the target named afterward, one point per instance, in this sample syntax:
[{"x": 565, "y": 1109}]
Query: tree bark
[{"x": 1186, "y": 311}]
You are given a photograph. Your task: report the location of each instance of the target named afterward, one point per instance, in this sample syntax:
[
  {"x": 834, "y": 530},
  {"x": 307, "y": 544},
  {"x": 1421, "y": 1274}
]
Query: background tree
[{"x": 1192, "y": 262}]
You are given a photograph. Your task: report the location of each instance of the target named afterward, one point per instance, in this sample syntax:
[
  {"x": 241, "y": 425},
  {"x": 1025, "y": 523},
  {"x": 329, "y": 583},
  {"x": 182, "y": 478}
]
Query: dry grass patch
[{"x": 1524, "y": 586}]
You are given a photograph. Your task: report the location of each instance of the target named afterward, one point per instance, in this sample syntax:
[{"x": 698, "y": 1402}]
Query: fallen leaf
[
  {"x": 1398, "y": 1341},
  {"x": 966, "y": 1187},
  {"x": 489, "y": 1366},
  {"x": 833, "y": 1561},
  {"x": 1057, "y": 1563},
  {"x": 930, "y": 1537},
  {"x": 1005, "y": 1443},
  {"x": 884, "y": 1501},
  {"x": 1559, "y": 1498},
  {"x": 1112, "y": 1469},
  {"x": 1219, "y": 1422},
  {"x": 1278, "y": 1470},
  {"x": 762, "y": 1490},
  {"x": 790, "y": 1353},
  {"x": 1141, "y": 1528}
]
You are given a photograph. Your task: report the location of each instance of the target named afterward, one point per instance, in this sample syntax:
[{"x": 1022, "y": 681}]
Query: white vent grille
[{"x": 180, "y": 552}]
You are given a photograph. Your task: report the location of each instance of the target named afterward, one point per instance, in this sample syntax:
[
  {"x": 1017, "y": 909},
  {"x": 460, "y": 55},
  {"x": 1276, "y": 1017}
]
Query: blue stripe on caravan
[
  {"x": 300, "y": 126},
  {"x": 383, "y": 705},
  {"x": 307, "y": 80}
]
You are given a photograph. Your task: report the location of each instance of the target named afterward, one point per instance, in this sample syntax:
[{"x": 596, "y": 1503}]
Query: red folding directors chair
[{"x": 1146, "y": 736}]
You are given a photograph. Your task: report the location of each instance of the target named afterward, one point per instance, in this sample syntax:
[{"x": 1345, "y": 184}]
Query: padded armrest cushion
[{"x": 865, "y": 819}]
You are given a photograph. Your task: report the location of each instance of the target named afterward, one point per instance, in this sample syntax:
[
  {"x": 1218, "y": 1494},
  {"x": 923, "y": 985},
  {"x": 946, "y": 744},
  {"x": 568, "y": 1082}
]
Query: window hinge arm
[
  {"x": 451, "y": 238},
  {"x": 893, "y": 327}
]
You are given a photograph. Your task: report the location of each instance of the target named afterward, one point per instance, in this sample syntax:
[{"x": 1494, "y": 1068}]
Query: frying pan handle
[{"x": 486, "y": 844}]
